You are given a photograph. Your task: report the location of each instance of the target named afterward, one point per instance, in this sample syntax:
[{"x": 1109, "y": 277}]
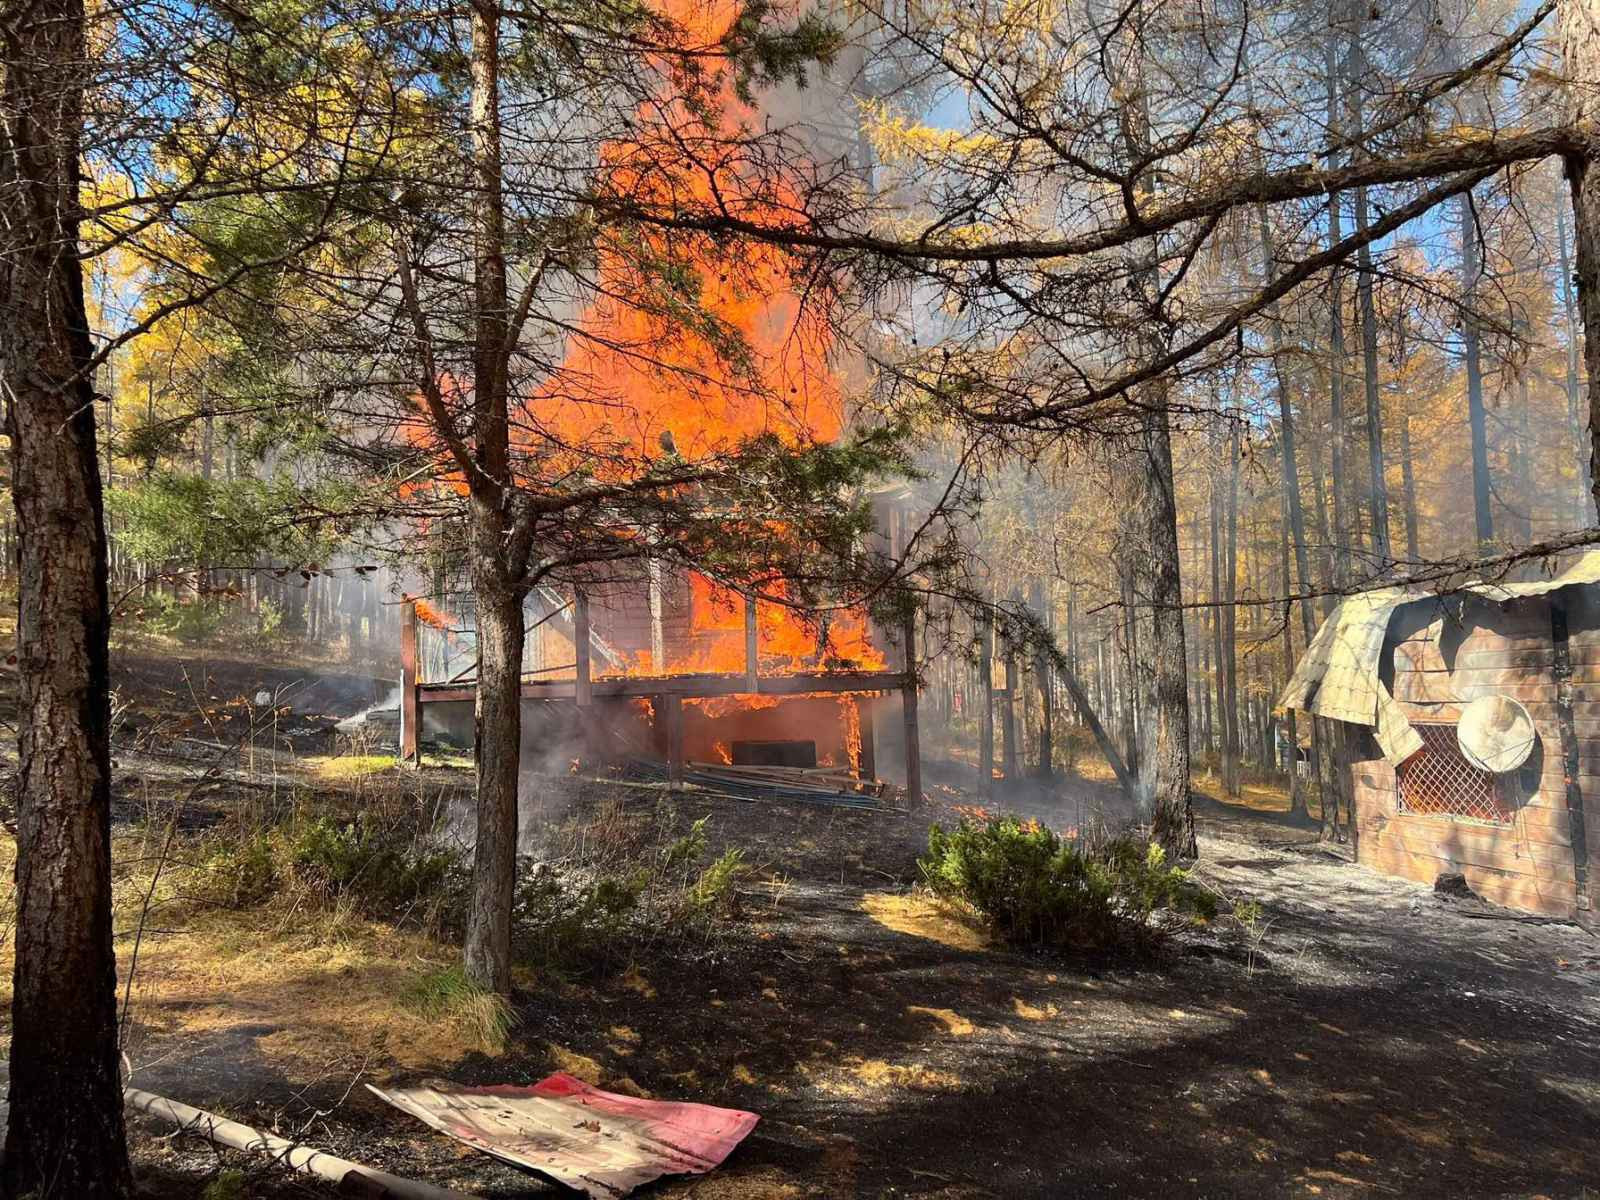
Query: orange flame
[
  {"x": 850, "y": 713},
  {"x": 429, "y": 615}
]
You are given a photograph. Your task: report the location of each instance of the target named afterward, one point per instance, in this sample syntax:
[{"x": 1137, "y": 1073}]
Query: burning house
[{"x": 661, "y": 662}]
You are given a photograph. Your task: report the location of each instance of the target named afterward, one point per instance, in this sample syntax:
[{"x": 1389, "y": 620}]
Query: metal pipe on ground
[{"x": 352, "y": 1179}]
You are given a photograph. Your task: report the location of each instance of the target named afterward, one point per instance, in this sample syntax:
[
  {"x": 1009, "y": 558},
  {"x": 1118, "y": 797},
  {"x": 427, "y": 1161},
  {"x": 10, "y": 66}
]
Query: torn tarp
[
  {"x": 600, "y": 1143},
  {"x": 1339, "y": 674}
]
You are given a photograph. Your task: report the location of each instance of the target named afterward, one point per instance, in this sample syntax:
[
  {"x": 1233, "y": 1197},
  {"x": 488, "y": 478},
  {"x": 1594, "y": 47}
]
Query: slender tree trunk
[
  {"x": 1229, "y": 613},
  {"x": 1339, "y": 548},
  {"x": 497, "y": 729},
  {"x": 1382, "y": 551},
  {"x": 1219, "y": 640},
  {"x": 1408, "y": 486},
  {"x": 1580, "y": 443},
  {"x": 66, "y": 1135},
  {"x": 1009, "y": 751},
  {"x": 1043, "y": 670},
  {"x": 1580, "y": 49},
  {"x": 1127, "y": 695},
  {"x": 985, "y": 709},
  {"x": 498, "y": 718},
  {"x": 1471, "y": 342},
  {"x": 1297, "y": 795}
]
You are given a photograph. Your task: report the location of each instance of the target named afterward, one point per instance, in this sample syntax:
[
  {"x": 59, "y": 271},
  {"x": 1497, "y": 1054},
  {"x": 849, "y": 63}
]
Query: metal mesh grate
[{"x": 1439, "y": 779}]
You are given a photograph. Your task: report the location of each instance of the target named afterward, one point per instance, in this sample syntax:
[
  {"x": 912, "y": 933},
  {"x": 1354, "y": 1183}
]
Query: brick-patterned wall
[{"x": 1442, "y": 656}]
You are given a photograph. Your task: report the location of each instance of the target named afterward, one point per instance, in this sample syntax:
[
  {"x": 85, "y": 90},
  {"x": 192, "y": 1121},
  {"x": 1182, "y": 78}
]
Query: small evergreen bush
[
  {"x": 384, "y": 868},
  {"x": 1032, "y": 886}
]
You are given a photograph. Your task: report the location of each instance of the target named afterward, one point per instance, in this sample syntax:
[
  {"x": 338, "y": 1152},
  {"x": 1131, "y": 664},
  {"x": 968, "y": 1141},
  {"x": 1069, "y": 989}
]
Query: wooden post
[
  {"x": 908, "y": 706},
  {"x": 986, "y": 709},
  {"x": 672, "y": 711},
  {"x": 752, "y": 649},
  {"x": 867, "y": 755},
  {"x": 583, "y": 690},
  {"x": 658, "y": 633},
  {"x": 410, "y": 709}
]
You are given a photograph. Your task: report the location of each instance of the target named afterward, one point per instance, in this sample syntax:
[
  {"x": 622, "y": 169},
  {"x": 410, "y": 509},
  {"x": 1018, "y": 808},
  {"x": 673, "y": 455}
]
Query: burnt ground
[{"x": 1363, "y": 1037}]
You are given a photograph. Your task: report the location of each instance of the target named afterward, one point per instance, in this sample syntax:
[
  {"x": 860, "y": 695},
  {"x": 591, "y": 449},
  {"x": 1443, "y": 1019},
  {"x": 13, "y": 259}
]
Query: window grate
[{"x": 1438, "y": 779}]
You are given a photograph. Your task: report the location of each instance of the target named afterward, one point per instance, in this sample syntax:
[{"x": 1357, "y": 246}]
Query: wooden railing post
[
  {"x": 673, "y": 714},
  {"x": 410, "y": 708},
  {"x": 583, "y": 690},
  {"x": 867, "y": 752},
  {"x": 752, "y": 650}
]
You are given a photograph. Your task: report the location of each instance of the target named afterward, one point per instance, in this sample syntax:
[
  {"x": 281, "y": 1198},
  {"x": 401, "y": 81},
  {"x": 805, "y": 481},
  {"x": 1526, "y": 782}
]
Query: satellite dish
[{"x": 1496, "y": 734}]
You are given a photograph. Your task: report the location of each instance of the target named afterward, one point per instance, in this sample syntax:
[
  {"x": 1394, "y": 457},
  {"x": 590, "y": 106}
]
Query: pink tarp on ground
[{"x": 601, "y": 1143}]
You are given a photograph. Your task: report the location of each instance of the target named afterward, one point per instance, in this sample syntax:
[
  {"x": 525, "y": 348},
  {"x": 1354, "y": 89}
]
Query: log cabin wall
[{"x": 1442, "y": 654}]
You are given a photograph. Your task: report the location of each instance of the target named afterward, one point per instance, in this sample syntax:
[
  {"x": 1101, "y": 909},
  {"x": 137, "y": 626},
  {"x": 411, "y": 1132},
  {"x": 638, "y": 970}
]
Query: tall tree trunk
[
  {"x": 1164, "y": 731},
  {"x": 1010, "y": 753},
  {"x": 497, "y": 729},
  {"x": 1151, "y": 564},
  {"x": 498, "y": 717},
  {"x": 1471, "y": 342},
  {"x": 1408, "y": 487},
  {"x": 1125, "y": 693},
  {"x": 1042, "y": 671},
  {"x": 66, "y": 1135},
  {"x": 1378, "y": 492},
  {"x": 1580, "y": 444},
  {"x": 1297, "y": 795},
  {"x": 1229, "y": 613},
  {"x": 1339, "y": 547},
  {"x": 1219, "y": 641},
  {"x": 985, "y": 708},
  {"x": 1382, "y": 550}
]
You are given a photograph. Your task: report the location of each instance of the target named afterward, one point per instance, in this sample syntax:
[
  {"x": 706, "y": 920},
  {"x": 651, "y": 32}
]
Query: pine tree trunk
[
  {"x": 501, "y": 632},
  {"x": 1580, "y": 49},
  {"x": 985, "y": 709},
  {"x": 1471, "y": 269},
  {"x": 1580, "y": 443},
  {"x": 1009, "y": 754},
  {"x": 1045, "y": 768},
  {"x": 1229, "y": 657},
  {"x": 497, "y": 730},
  {"x": 66, "y": 1135},
  {"x": 1164, "y": 732},
  {"x": 1339, "y": 547},
  {"x": 1382, "y": 548}
]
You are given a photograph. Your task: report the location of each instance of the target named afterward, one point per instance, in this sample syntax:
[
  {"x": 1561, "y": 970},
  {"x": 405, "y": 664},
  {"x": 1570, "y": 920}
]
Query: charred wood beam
[{"x": 802, "y": 683}]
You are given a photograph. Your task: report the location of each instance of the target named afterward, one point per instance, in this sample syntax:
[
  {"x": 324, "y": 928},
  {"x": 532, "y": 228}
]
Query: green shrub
[
  {"x": 190, "y": 621},
  {"x": 713, "y": 889},
  {"x": 269, "y": 618},
  {"x": 633, "y": 886},
  {"x": 385, "y": 868},
  {"x": 560, "y": 922},
  {"x": 240, "y": 873},
  {"x": 1033, "y": 887}
]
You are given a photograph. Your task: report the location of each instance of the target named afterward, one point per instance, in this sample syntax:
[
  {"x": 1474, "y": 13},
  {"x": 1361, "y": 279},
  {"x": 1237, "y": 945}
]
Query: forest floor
[{"x": 1362, "y": 1037}]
